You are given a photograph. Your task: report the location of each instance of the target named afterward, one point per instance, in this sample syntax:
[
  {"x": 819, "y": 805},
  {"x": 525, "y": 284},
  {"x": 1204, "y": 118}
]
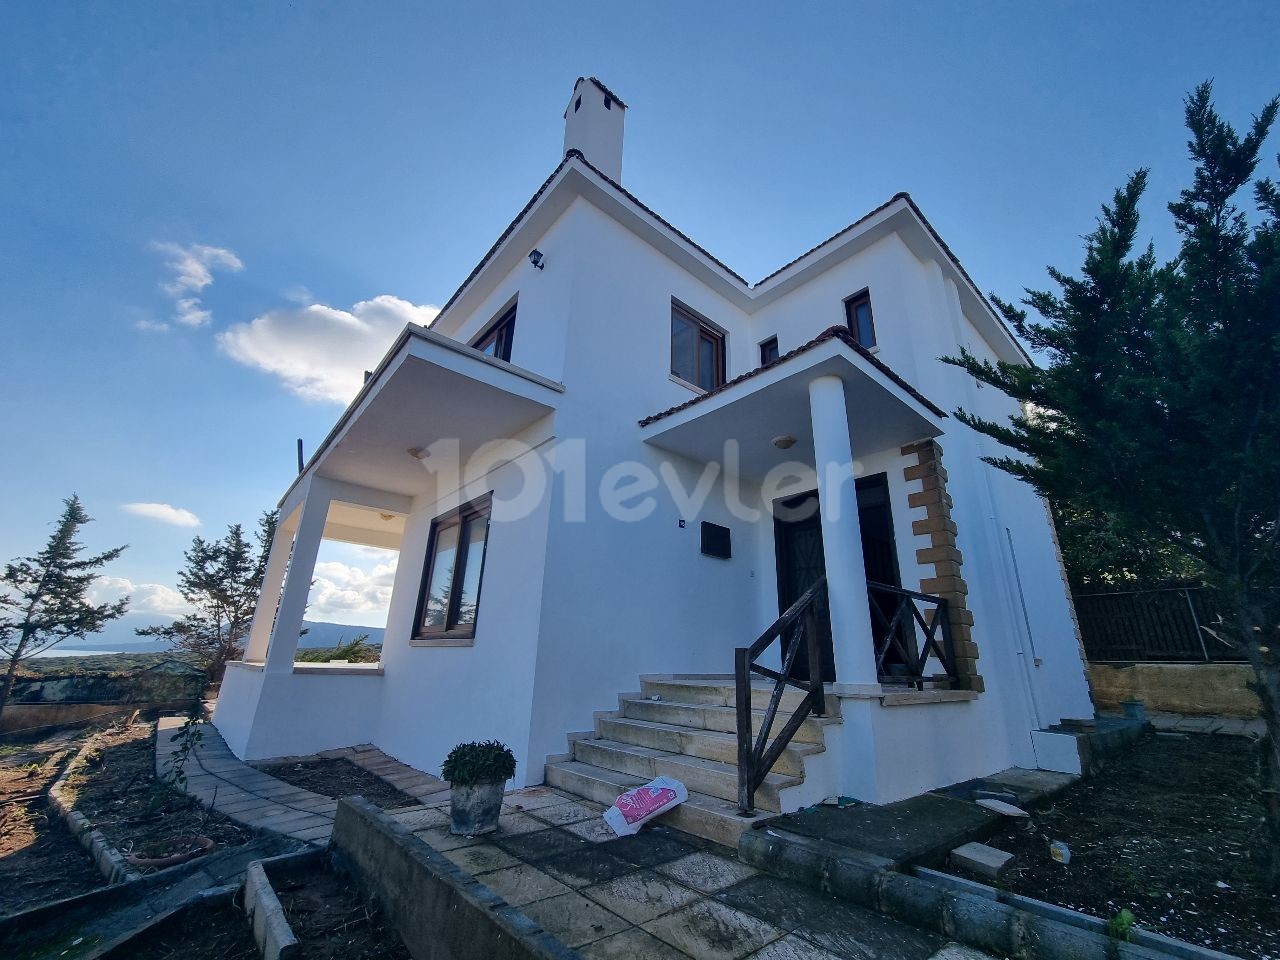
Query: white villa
[{"x": 611, "y": 462}]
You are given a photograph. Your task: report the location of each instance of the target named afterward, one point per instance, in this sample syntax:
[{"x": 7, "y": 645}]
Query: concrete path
[
  {"x": 1223, "y": 726},
  {"x": 423, "y": 787},
  {"x": 230, "y": 786}
]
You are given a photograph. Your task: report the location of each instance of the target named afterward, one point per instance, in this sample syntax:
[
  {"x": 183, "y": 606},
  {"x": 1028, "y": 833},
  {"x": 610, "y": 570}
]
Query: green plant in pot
[{"x": 477, "y": 772}]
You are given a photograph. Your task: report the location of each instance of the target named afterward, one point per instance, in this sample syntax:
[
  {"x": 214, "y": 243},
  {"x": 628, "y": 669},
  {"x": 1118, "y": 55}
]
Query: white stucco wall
[{"x": 576, "y": 606}]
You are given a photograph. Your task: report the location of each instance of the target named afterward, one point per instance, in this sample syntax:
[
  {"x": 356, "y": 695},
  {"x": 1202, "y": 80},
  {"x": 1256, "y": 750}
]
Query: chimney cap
[{"x": 603, "y": 89}]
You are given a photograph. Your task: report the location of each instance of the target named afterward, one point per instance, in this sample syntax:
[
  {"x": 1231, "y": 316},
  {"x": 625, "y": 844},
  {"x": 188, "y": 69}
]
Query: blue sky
[{"x": 306, "y": 158}]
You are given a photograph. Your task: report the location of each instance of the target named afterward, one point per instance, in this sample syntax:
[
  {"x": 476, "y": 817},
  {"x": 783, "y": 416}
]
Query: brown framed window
[
  {"x": 697, "y": 349},
  {"x": 857, "y": 314},
  {"x": 496, "y": 339},
  {"x": 768, "y": 351},
  {"x": 449, "y": 601}
]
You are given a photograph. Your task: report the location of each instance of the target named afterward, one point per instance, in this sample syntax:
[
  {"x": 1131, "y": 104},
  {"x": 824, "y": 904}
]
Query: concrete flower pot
[
  {"x": 1134, "y": 709},
  {"x": 474, "y": 808}
]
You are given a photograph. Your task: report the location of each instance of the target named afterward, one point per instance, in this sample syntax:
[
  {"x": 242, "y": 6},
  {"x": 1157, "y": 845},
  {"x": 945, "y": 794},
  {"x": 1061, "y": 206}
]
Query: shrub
[{"x": 472, "y": 763}]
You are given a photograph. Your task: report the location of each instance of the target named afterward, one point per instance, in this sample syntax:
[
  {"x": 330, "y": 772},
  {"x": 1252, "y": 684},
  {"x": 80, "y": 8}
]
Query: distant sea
[{"x": 120, "y": 637}]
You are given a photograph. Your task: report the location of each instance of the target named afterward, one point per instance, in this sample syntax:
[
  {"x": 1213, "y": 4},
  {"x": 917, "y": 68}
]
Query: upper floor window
[
  {"x": 697, "y": 349},
  {"x": 450, "y": 598},
  {"x": 857, "y": 314},
  {"x": 768, "y": 351},
  {"x": 496, "y": 339}
]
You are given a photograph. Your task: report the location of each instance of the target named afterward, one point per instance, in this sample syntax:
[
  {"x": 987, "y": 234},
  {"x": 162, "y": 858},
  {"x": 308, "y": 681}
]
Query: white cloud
[
  {"x": 343, "y": 593},
  {"x": 321, "y": 352},
  {"x": 165, "y": 513},
  {"x": 143, "y": 597},
  {"x": 192, "y": 268}
]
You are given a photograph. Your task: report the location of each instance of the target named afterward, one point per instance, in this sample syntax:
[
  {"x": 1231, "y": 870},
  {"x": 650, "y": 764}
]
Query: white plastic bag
[{"x": 635, "y": 808}]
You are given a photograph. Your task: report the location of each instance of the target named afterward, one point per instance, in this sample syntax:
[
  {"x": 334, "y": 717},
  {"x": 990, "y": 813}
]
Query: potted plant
[{"x": 477, "y": 772}]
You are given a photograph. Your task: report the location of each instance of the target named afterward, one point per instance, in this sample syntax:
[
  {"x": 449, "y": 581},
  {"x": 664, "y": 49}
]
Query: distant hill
[{"x": 119, "y": 636}]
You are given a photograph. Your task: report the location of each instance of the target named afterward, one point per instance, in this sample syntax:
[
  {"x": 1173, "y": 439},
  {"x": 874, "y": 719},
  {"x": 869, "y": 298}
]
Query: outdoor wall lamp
[
  {"x": 785, "y": 442},
  {"x": 535, "y": 257}
]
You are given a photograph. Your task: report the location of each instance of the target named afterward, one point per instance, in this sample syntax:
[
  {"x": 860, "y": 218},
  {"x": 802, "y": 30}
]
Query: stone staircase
[{"x": 685, "y": 728}]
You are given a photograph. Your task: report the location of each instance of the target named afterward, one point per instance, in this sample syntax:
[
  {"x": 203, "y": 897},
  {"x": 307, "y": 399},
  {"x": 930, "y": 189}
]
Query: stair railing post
[
  {"x": 816, "y": 697},
  {"x": 746, "y": 753}
]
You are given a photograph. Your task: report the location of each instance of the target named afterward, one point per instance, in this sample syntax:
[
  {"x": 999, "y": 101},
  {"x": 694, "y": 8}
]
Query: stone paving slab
[
  {"x": 658, "y": 894},
  {"x": 901, "y": 832},
  {"x": 1222, "y": 726}
]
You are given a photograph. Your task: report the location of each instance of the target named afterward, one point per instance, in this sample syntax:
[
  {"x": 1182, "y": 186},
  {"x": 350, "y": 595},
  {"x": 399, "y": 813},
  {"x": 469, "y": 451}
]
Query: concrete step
[
  {"x": 711, "y": 777},
  {"x": 721, "y": 691},
  {"x": 704, "y": 716},
  {"x": 708, "y": 744},
  {"x": 701, "y": 815}
]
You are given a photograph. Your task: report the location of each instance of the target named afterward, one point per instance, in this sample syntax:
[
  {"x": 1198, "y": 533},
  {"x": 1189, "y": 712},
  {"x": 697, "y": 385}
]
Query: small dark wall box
[{"x": 716, "y": 541}]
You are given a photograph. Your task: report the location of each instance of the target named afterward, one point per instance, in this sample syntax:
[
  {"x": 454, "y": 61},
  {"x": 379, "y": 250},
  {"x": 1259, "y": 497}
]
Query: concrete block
[
  {"x": 980, "y": 859},
  {"x": 271, "y": 930},
  {"x": 912, "y": 900},
  {"x": 1059, "y": 752}
]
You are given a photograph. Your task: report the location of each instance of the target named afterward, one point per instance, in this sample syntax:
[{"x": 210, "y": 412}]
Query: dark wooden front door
[{"x": 798, "y": 543}]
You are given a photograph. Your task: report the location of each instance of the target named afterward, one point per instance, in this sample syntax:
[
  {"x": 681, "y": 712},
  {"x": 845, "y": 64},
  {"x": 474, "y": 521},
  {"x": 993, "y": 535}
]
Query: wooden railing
[
  {"x": 757, "y": 754},
  {"x": 906, "y": 639}
]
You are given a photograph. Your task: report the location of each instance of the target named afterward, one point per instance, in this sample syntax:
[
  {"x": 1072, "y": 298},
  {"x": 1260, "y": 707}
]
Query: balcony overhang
[
  {"x": 884, "y": 411},
  {"x": 428, "y": 388}
]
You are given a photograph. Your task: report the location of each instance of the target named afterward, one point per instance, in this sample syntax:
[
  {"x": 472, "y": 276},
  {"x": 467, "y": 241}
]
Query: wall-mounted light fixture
[
  {"x": 784, "y": 442},
  {"x": 535, "y": 257}
]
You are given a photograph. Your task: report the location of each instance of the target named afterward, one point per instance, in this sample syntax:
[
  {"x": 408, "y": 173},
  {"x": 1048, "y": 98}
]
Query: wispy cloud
[
  {"x": 192, "y": 268},
  {"x": 165, "y": 513},
  {"x": 321, "y": 352},
  {"x": 143, "y": 597}
]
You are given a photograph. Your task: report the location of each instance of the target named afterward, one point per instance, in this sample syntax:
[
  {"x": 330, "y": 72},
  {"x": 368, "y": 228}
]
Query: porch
[
  {"x": 851, "y": 437},
  {"x": 403, "y": 448}
]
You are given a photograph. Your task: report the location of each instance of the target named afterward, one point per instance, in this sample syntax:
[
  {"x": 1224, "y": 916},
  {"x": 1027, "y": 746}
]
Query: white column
[
  {"x": 297, "y": 584},
  {"x": 269, "y": 597},
  {"x": 841, "y": 534}
]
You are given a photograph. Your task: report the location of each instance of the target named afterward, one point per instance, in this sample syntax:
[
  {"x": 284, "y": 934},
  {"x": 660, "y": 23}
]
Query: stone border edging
[
  {"x": 439, "y": 910},
  {"x": 271, "y": 930},
  {"x": 106, "y": 857},
  {"x": 956, "y": 911}
]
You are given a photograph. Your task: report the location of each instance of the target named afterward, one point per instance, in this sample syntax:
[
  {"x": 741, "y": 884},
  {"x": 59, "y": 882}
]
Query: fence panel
[{"x": 1164, "y": 624}]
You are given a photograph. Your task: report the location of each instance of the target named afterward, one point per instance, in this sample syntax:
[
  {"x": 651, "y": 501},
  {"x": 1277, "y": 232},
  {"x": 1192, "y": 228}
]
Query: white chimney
[{"x": 593, "y": 124}]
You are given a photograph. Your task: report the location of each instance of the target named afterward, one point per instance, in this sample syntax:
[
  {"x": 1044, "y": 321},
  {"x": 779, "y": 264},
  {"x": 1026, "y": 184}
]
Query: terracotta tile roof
[
  {"x": 831, "y": 333},
  {"x": 603, "y": 89}
]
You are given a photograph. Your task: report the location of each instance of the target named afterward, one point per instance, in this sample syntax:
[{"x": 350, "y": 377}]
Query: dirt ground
[
  {"x": 339, "y": 778},
  {"x": 1167, "y": 832},
  {"x": 120, "y": 794},
  {"x": 218, "y": 933},
  {"x": 39, "y": 860},
  {"x": 333, "y": 922}
]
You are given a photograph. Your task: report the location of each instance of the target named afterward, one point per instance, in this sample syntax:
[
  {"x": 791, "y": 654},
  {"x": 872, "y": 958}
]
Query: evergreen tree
[
  {"x": 221, "y": 580},
  {"x": 1158, "y": 406},
  {"x": 44, "y": 599}
]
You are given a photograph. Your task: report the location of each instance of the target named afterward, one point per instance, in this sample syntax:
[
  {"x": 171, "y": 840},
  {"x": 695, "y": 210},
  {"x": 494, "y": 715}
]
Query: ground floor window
[{"x": 450, "y": 598}]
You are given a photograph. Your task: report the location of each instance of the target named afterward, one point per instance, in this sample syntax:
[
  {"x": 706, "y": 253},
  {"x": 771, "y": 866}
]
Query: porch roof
[
  {"x": 772, "y": 401},
  {"x": 427, "y": 388}
]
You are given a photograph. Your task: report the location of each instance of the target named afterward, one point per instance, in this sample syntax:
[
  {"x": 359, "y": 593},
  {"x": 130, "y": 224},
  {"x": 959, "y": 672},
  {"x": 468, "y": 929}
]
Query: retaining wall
[{"x": 1195, "y": 689}]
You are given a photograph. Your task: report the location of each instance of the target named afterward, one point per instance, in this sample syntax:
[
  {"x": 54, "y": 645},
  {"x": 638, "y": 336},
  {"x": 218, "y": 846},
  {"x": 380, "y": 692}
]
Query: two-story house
[{"x": 611, "y": 462}]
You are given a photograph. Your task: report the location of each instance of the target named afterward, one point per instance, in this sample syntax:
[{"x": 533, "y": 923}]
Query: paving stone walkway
[
  {"x": 222, "y": 782},
  {"x": 658, "y": 894},
  {"x": 1223, "y": 726}
]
